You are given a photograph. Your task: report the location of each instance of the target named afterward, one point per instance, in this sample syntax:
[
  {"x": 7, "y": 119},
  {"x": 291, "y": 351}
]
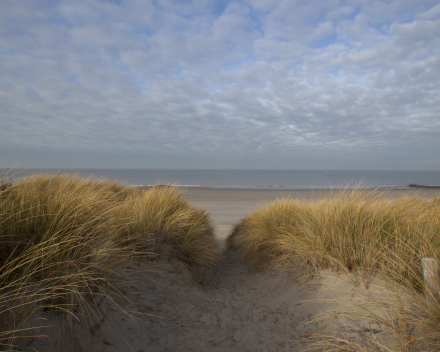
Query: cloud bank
[{"x": 220, "y": 84}]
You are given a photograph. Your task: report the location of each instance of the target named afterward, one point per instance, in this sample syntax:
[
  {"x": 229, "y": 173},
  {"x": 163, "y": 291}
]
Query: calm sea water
[{"x": 260, "y": 179}]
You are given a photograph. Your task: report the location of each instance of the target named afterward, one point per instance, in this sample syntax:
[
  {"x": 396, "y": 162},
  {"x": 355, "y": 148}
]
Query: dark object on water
[{"x": 421, "y": 186}]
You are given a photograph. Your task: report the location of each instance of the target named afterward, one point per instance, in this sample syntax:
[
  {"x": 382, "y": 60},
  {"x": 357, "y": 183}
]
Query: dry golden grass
[
  {"x": 180, "y": 226},
  {"x": 364, "y": 231},
  {"x": 407, "y": 319},
  {"x": 62, "y": 239},
  {"x": 351, "y": 229}
]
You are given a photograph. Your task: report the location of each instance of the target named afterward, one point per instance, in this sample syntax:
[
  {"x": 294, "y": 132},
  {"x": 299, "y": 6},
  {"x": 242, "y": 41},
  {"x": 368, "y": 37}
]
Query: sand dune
[{"x": 238, "y": 309}]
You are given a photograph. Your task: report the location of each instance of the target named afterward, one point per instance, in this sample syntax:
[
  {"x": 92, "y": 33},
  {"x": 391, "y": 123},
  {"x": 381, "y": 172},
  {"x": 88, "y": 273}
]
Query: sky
[{"x": 250, "y": 84}]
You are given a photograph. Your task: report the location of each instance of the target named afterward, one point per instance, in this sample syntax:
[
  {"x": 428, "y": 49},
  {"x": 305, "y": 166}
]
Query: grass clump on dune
[
  {"x": 52, "y": 231},
  {"x": 63, "y": 237},
  {"x": 257, "y": 237},
  {"x": 361, "y": 230},
  {"x": 349, "y": 229},
  {"x": 179, "y": 225}
]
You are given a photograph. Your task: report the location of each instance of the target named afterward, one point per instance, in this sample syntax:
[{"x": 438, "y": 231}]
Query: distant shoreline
[
  {"x": 280, "y": 180},
  {"x": 287, "y": 188}
]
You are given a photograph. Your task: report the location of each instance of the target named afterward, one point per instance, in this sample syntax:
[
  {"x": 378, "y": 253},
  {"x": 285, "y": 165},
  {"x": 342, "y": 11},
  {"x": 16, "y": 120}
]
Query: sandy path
[{"x": 238, "y": 310}]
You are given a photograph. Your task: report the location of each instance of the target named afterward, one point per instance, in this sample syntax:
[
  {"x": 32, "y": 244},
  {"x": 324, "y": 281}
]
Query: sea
[{"x": 257, "y": 179}]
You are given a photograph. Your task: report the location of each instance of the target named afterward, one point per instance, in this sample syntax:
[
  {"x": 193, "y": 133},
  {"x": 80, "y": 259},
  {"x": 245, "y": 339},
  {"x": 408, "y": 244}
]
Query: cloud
[{"x": 244, "y": 83}]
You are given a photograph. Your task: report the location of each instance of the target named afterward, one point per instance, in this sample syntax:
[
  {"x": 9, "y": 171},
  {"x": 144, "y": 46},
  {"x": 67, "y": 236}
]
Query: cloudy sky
[{"x": 284, "y": 84}]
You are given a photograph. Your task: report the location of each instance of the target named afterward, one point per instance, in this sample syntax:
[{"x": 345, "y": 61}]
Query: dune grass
[
  {"x": 349, "y": 229},
  {"x": 63, "y": 237},
  {"x": 362, "y": 231},
  {"x": 185, "y": 230}
]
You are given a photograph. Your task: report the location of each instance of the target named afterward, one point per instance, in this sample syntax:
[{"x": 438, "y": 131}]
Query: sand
[{"x": 239, "y": 309}]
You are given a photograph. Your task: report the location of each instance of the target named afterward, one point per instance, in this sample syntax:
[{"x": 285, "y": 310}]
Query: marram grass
[
  {"x": 63, "y": 237},
  {"x": 351, "y": 229},
  {"x": 179, "y": 225},
  {"x": 363, "y": 231}
]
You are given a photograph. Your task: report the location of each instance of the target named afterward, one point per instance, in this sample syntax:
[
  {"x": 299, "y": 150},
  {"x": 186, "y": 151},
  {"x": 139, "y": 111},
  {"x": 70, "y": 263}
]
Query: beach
[
  {"x": 228, "y": 206},
  {"x": 237, "y": 308}
]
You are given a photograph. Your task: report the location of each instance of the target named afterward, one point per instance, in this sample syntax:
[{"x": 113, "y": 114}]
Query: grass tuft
[
  {"x": 63, "y": 239},
  {"x": 178, "y": 224},
  {"x": 350, "y": 229},
  {"x": 363, "y": 231}
]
